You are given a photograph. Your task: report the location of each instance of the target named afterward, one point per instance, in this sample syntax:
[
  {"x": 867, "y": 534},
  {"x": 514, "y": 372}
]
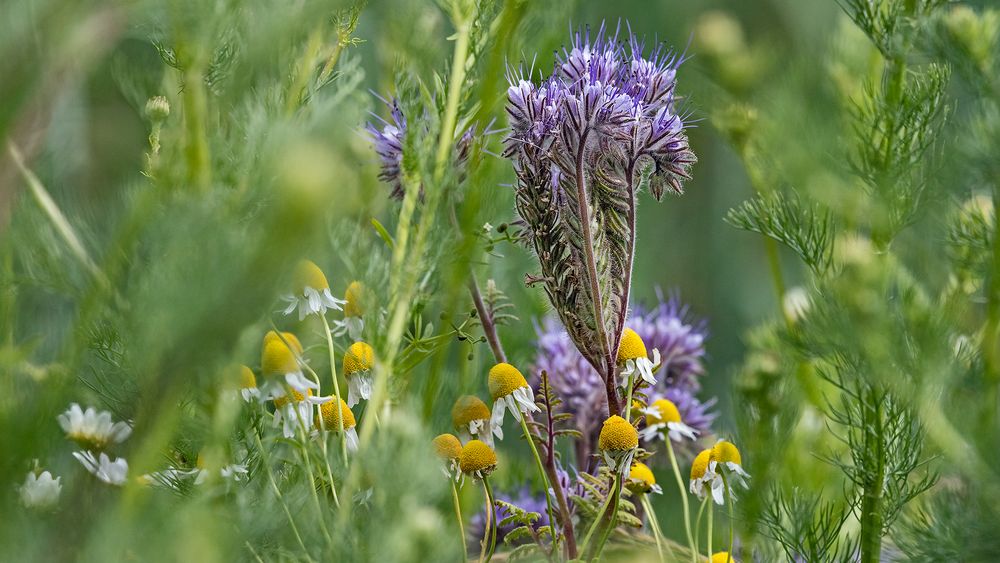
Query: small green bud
[{"x": 157, "y": 109}]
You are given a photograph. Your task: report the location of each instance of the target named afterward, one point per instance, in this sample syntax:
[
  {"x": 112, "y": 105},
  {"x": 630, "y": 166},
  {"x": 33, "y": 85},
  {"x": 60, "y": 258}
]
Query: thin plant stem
[
  {"x": 491, "y": 524},
  {"x": 545, "y": 480},
  {"x": 684, "y": 498},
  {"x": 708, "y": 534},
  {"x": 277, "y": 493},
  {"x": 609, "y": 525},
  {"x": 458, "y": 516},
  {"x": 653, "y": 524},
  {"x": 732, "y": 518},
  {"x": 597, "y": 521},
  {"x": 628, "y": 400},
  {"x": 329, "y": 470},
  {"x": 697, "y": 531},
  {"x": 307, "y": 459},
  {"x": 336, "y": 385},
  {"x": 486, "y": 321}
]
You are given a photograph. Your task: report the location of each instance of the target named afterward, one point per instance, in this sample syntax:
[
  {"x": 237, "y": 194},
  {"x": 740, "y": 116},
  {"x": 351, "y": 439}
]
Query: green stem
[
  {"x": 597, "y": 521},
  {"x": 872, "y": 518},
  {"x": 277, "y": 493},
  {"x": 653, "y": 524},
  {"x": 610, "y": 517},
  {"x": 708, "y": 535},
  {"x": 732, "y": 516},
  {"x": 336, "y": 386},
  {"x": 491, "y": 524},
  {"x": 628, "y": 400},
  {"x": 195, "y": 117},
  {"x": 307, "y": 459},
  {"x": 697, "y": 530},
  {"x": 545, "y": 481},
  {"x": 458, "y": 517},
  {"x": 684, "y": 499}
]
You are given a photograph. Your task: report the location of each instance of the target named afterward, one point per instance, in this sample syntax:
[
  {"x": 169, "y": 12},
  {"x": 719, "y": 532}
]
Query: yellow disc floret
[
  {"x": 468, "y": 408},
  {"x": 331, "y": 417},
  {"x": 726, "y": 452},
  {"x": 631, "y": 346},
  {"x": 447, "y": 446},
  {"x": 640, "y": 478},
  {"x": 667, "y": 412},
  {"x": 359, "y": 357},
  {"x": 247, "y": 379},
  {"x": 723, "y": 557},
  {"x": 296, "y": 396},
  {"x": 618, "y": 435},
  {"x": 308, "y": 274},
  {"x": 700, "y": 464},
  {"x": 504, "y": 379},
  {"x": 477, "y": 456},
  {"x": 356, "y": 296},
  {"x": 277, "y": 358}
]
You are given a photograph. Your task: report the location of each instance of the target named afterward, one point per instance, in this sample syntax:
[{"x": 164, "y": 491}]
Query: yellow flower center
[
  {"x": 277, "y": 358},
  {"x": 468, "y": 408},
  {"x": 631, "y": 347},
  {"x": 283, "y": 400},
  {"x": 641, "y": 478},
  {"x": 356, "y": 297},
  {"x": 504, "y": 379},
  {"x": 359, "y": 357},
  {"x": 724, "y": 452},
  {"x": 308, "y": 274},
  {"x": 618, "y": 435},
  {"x": 700, "y": 464},
  {"x": 247, "y": 379},
  {"x": 447, "y": 446},
  {"x": 722, "y": 557},
  {"x": 667, "y": 412},
  {"x": 332, "y": 416},
  {"x": 477, "y": 456}
]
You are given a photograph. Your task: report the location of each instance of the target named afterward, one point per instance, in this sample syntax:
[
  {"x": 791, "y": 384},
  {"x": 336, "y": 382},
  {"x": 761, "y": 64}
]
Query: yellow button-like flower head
[
  {"x": 277, "y": 358},
  {"x": 618, "y": 435},
  {"x": 723, "y": 557},
  {"x": 359, "y": 357},
  {"x": 478, "y": 459},
  {"x": 700, "y": 464},
  {"x": 308, "y": 274},
  {"x": 640, "y": 478},
  {"x": 356, "y": 297},
  {"x": 447, "y": 447},
  {"x": 332, "y": 416},
  {"x": 726, "y": 452},
  {"x": 297, "y": 397},
  {"x": 247, "y": 379},
  {"x": 665, "y": 411},
  {"x": 468, "y": 408},
  {"x": 631, "y": 347},
  {"x": 504, "y": 379}
]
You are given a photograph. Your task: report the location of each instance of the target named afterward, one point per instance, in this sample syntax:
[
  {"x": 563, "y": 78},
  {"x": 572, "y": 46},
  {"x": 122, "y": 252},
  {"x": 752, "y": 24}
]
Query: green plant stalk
[
  {"x": 195, "y": 116},
  {"x": 307, "y": 459},
  {"x": 684, "y": 499},
  {"x": 458, "y": 516},
  {"x": 653, "y": 524},
  {"x": 708, "y": 534},
  {"x": 697, "y": 530},
  {"x": 277, "y": 493},
  {"x": 991, "y": 331},
  {"x": 628, "y": 400},
  {"x": 304, "y": 70},
  {"x": 732, "y": 516},
  {"x": 336, "y": 386},
  {"x": 597, "y": 519},
  {"x": 545, "y": 481},
  {"x": 491, "y": 524},
  {"x": 609, "y": 526},
  {"x": 872, "y": 518}
]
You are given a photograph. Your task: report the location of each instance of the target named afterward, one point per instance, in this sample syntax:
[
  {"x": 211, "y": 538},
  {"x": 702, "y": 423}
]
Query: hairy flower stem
[
  {"x": 872, "y": 517},
  {"x": 654, "y": 525},
  {"x": 491, "y": 525},
  {"x": 336, "y": 387},
  {"x": 486, "y": 321},
  {"x": 458, "y": 516},
  {"x": 545, "y": 481},
  {"x": 277, "y": 493},
  {"x": 684, "y": 499}
]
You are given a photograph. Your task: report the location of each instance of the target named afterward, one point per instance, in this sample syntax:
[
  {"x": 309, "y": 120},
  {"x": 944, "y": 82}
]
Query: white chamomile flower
[
  {"x": 618, "y": 443},
  {"x": 449, "y": 450},
  {"x": 248, "y": 385},
  {"x": 704, "y": 479},
  {"x": 331, "y": 419},
  {"x": 510, "y": 392},
  {"x": 641, "y": 480},
  {"x": 726, "y": 458},
  {"x": 111, "y": 472},
  {"x": 355, "y": 303},
  {"x": 92, "y": 429},
  {"x": 635, "y": 360},
  {"x": 662, "y": 417},
  {"x": 311, "y": 294},
  {"x": 471, "y": 418},
  {"x": 294, "y": 414},
  {"x": 40, "y": 491},
  {"x": 279, "y": 366},
  {"x": 359, "y": 361}
]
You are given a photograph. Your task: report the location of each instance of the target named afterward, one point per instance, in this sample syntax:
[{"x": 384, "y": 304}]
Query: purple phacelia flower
[{"x": 667, "y": 327}]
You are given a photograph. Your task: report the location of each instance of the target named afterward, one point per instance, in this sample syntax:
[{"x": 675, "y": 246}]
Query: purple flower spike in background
[{"x": 388, "y": 140}]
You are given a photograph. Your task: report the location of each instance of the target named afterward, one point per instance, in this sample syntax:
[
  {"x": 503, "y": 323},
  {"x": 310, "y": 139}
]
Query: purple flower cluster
[
  {"x": 607, "y": 103},
  {"x": 667, "y": 327}
]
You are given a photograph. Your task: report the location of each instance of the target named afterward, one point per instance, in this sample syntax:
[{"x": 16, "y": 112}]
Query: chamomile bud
[
  {"x": 279, "y": 365},
  {"x": 359, "y": 362},
  {"x": 618, "y": 443},
  {"x": 330, "y": 419},
  {"x": 478, "y": 459},
  {"x": 157, "y": 109},
  {"x": 663, "y": 418},
  {"x": 704, "y": 479},
  {"x": 510, "y": 392},
  {"x": 641, "y": 480},
  {"x": 310, "y": 292},
  {"x": 634, "y": 359},
  {"x": 471, "y": 418},
  {"x": 449, "y": 450}
]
